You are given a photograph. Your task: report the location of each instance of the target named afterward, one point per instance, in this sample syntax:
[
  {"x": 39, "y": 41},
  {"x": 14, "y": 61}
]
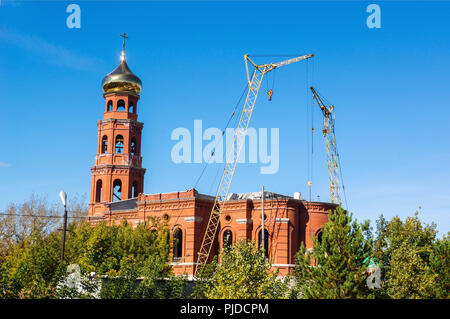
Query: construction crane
[
  {"x": 330, "y": 144},
  {"x": 254, "y": 83}
]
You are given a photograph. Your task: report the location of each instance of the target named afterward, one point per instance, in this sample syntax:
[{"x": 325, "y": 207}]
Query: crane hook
[{"x": 270, "y": 93}]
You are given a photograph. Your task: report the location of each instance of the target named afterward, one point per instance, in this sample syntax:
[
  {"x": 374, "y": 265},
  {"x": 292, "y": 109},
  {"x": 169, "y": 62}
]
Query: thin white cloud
[
  {"x": 3, "y": 164},
  {"x": 51, "y": 53}
]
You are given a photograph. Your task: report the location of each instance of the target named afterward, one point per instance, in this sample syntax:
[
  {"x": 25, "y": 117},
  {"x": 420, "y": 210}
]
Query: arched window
[
  {"x": 134, "y": 189},
  {"x": 227, "y": 239},
  {"x": 121, "y": 105},
  {"x": 119, "y": 144},
  {"x": 131, "y": 107},
  {"x": 177, "y": 244},
  {"x": 104, "y": 144},
  {"x": 109, "y": 106},
  {"x": 117, "y": 190},
  {"x": 98, "y": 191},
  {"x": 133, "y": 146},
  {"x": 319, "y": 236},
  {"x": 266, "y": 242}
]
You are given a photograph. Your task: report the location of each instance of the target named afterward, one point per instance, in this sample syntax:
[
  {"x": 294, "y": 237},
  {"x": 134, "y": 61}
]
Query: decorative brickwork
[{"x": 288, "y": 221}]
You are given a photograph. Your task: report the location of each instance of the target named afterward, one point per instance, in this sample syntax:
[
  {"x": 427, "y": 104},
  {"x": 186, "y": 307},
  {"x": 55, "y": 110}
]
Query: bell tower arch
[{"x": 118, "y": 173}]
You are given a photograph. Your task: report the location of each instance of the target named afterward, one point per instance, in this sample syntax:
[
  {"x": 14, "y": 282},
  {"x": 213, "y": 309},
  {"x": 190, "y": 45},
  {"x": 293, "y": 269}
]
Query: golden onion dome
[{"x": 121, "y": 79}]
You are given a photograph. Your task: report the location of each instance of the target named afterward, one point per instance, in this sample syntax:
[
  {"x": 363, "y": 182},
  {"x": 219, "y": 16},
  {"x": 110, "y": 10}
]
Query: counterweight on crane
[
  {"x": 254, "y": 84},
  {"x": 330, "y": 143}
]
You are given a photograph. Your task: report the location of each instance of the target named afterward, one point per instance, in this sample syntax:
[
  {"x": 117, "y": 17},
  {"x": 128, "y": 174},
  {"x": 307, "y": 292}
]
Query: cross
[{"x": 124, "y": 36}]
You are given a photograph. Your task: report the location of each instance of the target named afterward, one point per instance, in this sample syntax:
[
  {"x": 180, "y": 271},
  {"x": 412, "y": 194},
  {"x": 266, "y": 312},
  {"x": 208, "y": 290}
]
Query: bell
[{"x": 270, "y": 93}]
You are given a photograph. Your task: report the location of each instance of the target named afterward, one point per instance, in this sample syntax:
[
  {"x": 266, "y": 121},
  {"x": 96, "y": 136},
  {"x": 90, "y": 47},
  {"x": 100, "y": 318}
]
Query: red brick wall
[
  {"x": 110, "y": 165},
  {"x": 288, "y": 222}
]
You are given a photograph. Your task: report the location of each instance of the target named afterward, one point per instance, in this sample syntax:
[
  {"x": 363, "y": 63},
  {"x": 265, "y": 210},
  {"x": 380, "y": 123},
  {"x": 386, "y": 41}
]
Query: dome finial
[
  {"x": 121, "y": 78},
  {"x": 124, "y": 36}
]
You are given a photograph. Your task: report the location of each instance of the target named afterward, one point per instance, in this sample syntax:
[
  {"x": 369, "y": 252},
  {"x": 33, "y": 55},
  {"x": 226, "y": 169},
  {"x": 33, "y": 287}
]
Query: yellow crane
[
  {"x": 254, "y": 83},
  {"x": 330, "y": 144}
]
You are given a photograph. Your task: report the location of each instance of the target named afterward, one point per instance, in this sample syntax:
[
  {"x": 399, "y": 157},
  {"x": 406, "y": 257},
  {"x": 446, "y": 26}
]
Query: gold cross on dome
[{"x": 124, "y": 36}]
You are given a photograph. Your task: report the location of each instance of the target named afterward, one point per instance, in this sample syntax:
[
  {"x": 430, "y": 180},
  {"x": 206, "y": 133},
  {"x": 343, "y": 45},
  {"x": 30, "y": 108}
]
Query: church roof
[
  {"x": 256, "y": 196},
  {"x": 126, "y": 204},
  {"x": 121, "y": 78}
]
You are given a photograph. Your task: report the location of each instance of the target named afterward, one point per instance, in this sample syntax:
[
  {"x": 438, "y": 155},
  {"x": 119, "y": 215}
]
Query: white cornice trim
[
  {"x": 193, "y": 219},
  {"x": 244, "y": 221},
  {"x": 284, "y": 265}
]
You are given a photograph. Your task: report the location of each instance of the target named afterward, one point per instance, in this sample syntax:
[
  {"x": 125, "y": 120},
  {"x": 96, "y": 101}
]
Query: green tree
[
  {"x": 158, "y": 281},
  {"x": 103, "y": 249},
  {"x": 121, "y": 284},
  {"x": 392, "y": 234},
  {"x": 31, "y": 266},
  {"x": 203, "y": 282},
  {"x": 244, "y": 273},
  {"x": 35, "y": 216},
  {"x": 414, "y": 263},
  {"x": 29, "y": 270},
  {"x": 336, "y": 266},
  {"x": 409, "y": 277},
  {"x": 440, "y": 265}
]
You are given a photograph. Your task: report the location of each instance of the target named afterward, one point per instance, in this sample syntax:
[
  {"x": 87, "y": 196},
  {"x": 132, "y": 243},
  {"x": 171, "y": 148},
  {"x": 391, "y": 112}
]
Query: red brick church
[{"x": 117, "y": 192}]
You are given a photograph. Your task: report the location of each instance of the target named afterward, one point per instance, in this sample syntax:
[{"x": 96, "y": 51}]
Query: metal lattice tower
[
  {"x": 330, "y": 145},
  {"x": 254, "y": 84}
]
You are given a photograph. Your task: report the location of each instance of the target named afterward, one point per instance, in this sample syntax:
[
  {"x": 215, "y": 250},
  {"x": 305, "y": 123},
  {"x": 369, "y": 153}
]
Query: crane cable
[
  {"x": 309, "y": 127},
  {"x": 221, "y": 137},
  {"x": 306, "y": 129},
  {"x": 221, "y": 167},
  {"x": 270, "y": 87}
]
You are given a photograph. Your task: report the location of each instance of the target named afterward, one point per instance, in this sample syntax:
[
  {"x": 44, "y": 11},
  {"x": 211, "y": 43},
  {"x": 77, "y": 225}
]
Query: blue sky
[{"x": 390, "y": 88}]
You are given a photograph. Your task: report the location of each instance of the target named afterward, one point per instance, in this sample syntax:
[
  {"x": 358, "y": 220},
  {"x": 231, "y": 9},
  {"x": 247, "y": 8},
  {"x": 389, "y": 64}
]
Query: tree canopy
[
  {"x": 244, "y": 273},
  {"x": 121, "y": 261},
  {"x": 336, "y": 266}
]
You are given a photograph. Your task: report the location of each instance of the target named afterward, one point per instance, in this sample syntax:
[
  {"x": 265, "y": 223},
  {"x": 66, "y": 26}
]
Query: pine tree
[{"x": 336, "y": 266}]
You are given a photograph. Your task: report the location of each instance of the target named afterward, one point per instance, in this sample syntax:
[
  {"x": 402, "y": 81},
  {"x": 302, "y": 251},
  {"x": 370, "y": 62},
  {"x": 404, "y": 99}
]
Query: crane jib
[
  {"x": 254, "y": 84},
  {"x": 303, "y": 57}
]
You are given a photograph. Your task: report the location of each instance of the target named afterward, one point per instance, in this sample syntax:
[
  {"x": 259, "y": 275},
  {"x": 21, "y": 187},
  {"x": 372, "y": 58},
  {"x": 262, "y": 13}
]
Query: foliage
[
  {"x": 440, "y": 265},
  {"x": 28, "y": 271},
  {"x": 121, "y": 261},
  {"x": 408, "y": 276},
  {"x": 336, "y": 266},
  {"x": 156, "y": 281},
  {"x": 104, "y": 249},
  {"x": 244, "y": 273},
  {"x": 18, "y": 222},
  {"x": 31, "y": 266},
  {"x": 35, "y": 216},
  {"x": 203, "y": 282},
  {"x": 160, "y": 283},
  {"x": 123, "y": 284},
  {"x": 415, "y": 265}
]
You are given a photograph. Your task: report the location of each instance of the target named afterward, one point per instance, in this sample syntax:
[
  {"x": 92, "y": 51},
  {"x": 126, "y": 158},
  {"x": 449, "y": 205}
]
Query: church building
[{"x": 117, "y": 192}]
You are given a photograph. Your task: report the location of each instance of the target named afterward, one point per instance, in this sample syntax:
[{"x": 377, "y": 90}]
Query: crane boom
[
  {"x": 254, "y": 84},
  {"x": 293, "y": 60},
  {"x": 330, "y": 145}
]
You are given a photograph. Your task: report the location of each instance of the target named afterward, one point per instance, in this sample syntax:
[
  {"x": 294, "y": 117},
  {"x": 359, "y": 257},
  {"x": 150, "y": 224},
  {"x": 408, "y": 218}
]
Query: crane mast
[
  {"x": 254, "y": 84},
  {"x": 330, "y": 145}
]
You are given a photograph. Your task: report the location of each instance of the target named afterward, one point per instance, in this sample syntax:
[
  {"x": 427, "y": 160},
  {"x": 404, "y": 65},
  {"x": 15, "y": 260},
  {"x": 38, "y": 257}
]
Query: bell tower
[{"x": 118, "y": 173}]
